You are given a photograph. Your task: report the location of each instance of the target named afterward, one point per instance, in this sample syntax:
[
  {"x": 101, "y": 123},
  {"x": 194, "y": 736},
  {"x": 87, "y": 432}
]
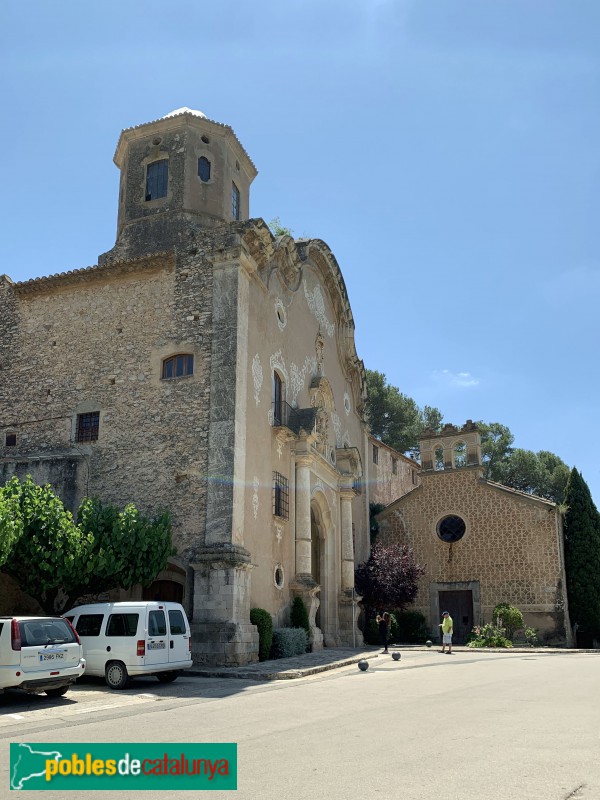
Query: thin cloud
[{"x": 455, "y": 380}]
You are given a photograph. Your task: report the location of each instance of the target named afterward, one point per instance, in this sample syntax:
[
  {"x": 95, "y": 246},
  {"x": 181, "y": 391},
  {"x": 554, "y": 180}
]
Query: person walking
[
  {"x": 447, "y": 627},
  {"x": 384, "y": 625}
]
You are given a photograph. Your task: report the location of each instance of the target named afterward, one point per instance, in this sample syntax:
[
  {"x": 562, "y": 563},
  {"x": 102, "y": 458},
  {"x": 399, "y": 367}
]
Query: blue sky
[{"x": 446, "y": 150}]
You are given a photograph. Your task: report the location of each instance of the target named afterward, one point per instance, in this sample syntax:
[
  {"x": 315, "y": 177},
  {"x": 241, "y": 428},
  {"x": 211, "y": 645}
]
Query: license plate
[
  {"x": 156, "y": 645},
  {"x": 58, "y": 656}
]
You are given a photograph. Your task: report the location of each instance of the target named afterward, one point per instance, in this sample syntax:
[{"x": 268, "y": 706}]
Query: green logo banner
[{"x": 118, "y": 766}]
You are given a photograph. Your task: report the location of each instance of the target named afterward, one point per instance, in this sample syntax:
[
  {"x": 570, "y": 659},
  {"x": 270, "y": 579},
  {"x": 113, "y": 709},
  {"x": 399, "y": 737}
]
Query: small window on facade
[
  {"x": 278, "y": 400},
  {"x": 375, "y": 454},
  {"x": 235, "y": 201},
  {"x": 87, "y": 427},
  {"x": 157, "y": 179},
  {"x": 11, "y": 439},
  {"x": 204, "y": 169},
  {"x": 451, "y": 528},
  {"x": 281, "y": 496},
  {"x": 394, "y": 466},
  {"x": 179, "y": 366},
  {"x": 414, "y": 477}
]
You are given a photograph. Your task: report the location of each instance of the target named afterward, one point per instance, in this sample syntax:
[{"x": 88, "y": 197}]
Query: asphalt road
[{"x": 473, "y": 726}]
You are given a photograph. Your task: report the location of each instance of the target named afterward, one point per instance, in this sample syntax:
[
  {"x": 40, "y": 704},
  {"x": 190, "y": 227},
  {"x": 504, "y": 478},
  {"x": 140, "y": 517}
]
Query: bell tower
[{"x": 179, "y": 174}]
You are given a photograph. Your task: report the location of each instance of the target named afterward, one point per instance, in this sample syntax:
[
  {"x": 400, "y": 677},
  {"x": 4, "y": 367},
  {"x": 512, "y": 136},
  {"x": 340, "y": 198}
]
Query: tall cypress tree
[{"x": 582, "y": 559}]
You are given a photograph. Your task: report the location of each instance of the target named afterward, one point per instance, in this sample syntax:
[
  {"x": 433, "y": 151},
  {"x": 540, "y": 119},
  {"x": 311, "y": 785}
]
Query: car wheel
[
  {"x": 57, "y": 692},
  {"x": 116, "y": 675},
  {"x": 167, "y": 677}
]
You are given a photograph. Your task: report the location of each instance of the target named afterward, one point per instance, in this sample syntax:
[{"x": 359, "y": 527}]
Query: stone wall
[{"x": 392, "y": 475}]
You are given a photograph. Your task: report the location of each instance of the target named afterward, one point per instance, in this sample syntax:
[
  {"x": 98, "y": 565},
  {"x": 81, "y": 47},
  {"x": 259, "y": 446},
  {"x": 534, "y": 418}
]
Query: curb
[{"x": 275, "y": 675}]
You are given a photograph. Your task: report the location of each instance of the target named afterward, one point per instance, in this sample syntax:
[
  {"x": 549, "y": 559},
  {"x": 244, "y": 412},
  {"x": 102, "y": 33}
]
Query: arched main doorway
[{"x": 323, "y": 567}]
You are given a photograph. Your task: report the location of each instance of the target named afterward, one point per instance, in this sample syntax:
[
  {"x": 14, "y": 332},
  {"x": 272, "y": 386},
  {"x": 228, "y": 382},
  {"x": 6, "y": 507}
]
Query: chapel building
[
  {"x": 480, "y": 543},
  {"x": 208, "y": 367}
]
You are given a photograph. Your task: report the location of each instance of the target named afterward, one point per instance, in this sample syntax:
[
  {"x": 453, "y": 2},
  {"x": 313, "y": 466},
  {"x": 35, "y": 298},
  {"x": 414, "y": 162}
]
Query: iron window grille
[
  {"x": 157, "y": 179},
  {"x": 87, "y": 427},
  {"x": 281, "y": 496}
]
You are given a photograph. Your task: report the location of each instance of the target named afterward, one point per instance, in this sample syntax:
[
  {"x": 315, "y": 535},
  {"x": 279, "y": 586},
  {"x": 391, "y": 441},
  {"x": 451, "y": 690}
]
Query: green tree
[
  {"x": 55, "y": 560},
  {"x": 582, "y": 558},
  {"x": 50, "y": 552},
  {"x": 543, "y": 474},
  {"x": 496, "y": 446},
  {"x": 125, "y": 548},
  {"x": 394, "y": 417},
  {"x": 11, "y": 526}
]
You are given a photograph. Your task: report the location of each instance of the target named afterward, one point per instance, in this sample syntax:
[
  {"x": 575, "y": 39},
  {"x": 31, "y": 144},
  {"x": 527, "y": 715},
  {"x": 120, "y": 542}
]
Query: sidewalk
[
  {"x": 335, "y": 657},
  {"x": 288, "y": 668}
]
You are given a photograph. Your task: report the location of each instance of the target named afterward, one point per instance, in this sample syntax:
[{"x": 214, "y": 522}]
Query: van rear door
[
  {"x": 156, "y": 643},
  {"x": 47, "y": 644},
  {"x": 179, "y": 636}
]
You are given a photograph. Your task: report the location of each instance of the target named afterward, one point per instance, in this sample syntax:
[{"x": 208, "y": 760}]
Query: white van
[
  {"x": 39, "y": 654},
  {"x": 123, "y": 640}
]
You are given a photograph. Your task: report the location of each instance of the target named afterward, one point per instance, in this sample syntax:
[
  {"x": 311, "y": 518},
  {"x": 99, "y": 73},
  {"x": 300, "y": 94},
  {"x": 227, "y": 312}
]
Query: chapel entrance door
[
  {"x": 315, "y": 560},
  {"x": 459, "y": 603}
]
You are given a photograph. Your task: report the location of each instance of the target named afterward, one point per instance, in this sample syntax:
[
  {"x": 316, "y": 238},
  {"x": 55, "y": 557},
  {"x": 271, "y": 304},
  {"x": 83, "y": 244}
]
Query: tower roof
[
  {"x": 184, "y": 110},
  {"x": 136, "y": 130}
]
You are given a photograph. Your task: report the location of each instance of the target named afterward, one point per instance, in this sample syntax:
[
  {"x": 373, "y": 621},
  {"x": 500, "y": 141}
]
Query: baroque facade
[
  {"x": 480, "y": 543},
  {"x": 209, "y": 367}
]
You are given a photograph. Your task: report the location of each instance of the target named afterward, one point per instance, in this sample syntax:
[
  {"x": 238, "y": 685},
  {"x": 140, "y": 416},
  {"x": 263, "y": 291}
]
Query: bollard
[
  {"x": 363, "y": 665},
  {"x": 396, "y": 656}
]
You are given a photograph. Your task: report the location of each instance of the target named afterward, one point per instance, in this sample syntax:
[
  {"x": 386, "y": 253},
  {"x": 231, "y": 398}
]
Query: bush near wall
[
  {"x": 408, "y": 627},
  {"x": 299, "y": 615},
  {"x": 288, "y": 642},
  {"x": 263, "y": 621}
]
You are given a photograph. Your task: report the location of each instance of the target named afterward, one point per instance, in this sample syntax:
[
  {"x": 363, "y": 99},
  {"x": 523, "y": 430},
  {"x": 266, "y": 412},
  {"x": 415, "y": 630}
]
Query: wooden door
[{"x": 459, "y": 603}]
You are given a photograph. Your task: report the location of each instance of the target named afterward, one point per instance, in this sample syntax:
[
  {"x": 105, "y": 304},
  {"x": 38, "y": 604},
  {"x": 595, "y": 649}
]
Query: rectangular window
[
  {"x": 414, "y": 477},
  {"x": 235, "y": 201},
  {"x": 11, "y": 439},
  {"x": 177, "y": 622},
  {"x": 157, "y": 623},
  {"x": 375, "y": 454},
  {"x": 122, "y": 625},
  {"x": 87, "y": 427},
  {"x": 281, "y": 496},
  {"x": 394, "y": 466},
  {"x": 89, "y": 624},
  {"x": 178, "y": 366},
  {"x": 157, "y": 179},
  {"x": 42, "y": 632}
]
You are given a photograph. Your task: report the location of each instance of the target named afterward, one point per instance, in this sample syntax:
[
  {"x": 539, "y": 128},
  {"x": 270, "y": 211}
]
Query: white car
[
  {"x": 126, "y": 639},
  {"x": 39, "y": 654}
]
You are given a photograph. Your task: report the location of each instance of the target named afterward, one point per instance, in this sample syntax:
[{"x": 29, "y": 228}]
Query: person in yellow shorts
[{"x": 447, "y": 627}]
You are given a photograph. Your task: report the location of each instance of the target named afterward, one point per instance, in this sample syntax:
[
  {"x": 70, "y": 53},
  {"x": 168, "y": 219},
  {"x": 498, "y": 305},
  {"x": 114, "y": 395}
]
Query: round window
[
  {"x": 451, "y": 528},
  {"x": 278, "y": 577}
]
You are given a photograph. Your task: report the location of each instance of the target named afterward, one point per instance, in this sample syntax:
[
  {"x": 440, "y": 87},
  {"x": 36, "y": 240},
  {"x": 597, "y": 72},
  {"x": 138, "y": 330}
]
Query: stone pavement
[{"x": 295, "y": 667}]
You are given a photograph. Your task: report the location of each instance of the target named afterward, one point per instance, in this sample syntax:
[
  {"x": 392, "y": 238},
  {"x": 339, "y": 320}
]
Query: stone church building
[
  {"x": 205, "y": 366},
  {"x": 480, "y": 543}
]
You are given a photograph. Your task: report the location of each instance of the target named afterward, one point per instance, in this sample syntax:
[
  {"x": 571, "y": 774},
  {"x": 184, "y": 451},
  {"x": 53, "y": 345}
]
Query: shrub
[
  {"x": 371, "y": 632},
  {"x": 409, "y": 627},
  {"x": 508, "y": 617},
  {"x": 488, "y": 636},
  {"x": 531, "y": 636},
  {"x": 299, "y": 615},
  {"x": 264, "y": 623},
  {"x": 288, "y": 642}
]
